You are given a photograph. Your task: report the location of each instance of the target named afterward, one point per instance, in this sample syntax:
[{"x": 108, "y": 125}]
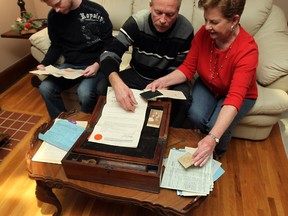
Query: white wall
[
  {"x": 42, "y": 9},
  {"x": 12, "y": 50}
]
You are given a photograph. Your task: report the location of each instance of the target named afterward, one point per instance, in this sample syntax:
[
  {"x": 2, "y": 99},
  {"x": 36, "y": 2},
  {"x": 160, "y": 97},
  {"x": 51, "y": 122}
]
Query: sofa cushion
[
  {"x": 269, "y": 102},
  {"x": 255, "y": 14},
  {"x": 280, "y": 84},
  {"x": 139, "y": 5},
  {"x": 252, "y": 19},
  {"x": 41, "y": 40},
  {"x": 272, "y": 40},
  {"x": 259, "y": 120},
  {"x": 197, "y": 18},
  {"x": 36, "y": 53},
  {"x": 118, "y": 11}
]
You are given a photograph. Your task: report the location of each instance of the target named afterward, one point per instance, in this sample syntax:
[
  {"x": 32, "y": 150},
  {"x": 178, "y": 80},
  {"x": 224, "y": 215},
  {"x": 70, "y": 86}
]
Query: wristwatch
[{"x": 214, "y": 137}]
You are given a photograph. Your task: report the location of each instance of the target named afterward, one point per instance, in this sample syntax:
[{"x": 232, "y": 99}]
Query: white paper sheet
[
  {"x": 216, "y": 171},
  {"x": 171, "y": 94},
  {"x": 51, "y": 154},
  {"x": 119, "y": 127},
  {"x": 194, "y": 179}
]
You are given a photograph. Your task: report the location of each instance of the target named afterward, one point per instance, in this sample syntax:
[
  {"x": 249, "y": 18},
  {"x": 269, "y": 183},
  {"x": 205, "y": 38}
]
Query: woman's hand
[
  {"x": 207, "y": 145},
  {"x": 205, "y": 149},
  {"x": 173, "y": 78},
  {"x": 156, "y": 84}
]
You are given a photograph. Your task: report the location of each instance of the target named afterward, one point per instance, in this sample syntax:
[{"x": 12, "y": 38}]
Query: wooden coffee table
[{"x": 167, "y": 202}]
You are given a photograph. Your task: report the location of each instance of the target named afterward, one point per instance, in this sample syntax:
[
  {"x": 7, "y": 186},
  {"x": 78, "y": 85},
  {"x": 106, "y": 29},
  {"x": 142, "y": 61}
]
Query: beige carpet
[{"x": 283, "y": 124}]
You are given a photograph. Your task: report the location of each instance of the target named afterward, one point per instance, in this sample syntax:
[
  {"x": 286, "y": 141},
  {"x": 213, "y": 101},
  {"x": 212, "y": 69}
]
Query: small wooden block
[{"x": 186, "y": 160}]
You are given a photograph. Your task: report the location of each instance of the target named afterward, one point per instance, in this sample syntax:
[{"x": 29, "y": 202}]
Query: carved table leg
[{"x": 45, "y": 194}]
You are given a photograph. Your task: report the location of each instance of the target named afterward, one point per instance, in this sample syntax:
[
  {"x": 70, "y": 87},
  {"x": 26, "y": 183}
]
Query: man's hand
[
  {"x": 41, "y": 67},
  {"x": 123, "y": 93},
  {"x": 91, "y": 70},
  {"x": 205, "y": 149}
]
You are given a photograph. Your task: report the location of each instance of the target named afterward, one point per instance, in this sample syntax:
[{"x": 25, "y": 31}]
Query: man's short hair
[{"x": 179, "y": 2}]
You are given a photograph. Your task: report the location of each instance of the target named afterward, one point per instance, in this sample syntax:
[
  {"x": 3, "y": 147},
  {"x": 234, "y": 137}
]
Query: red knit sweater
[{"x": 236, "y": 66}]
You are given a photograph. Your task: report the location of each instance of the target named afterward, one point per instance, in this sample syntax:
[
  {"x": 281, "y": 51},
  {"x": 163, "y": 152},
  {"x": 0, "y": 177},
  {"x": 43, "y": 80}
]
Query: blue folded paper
[{"x": 63, "y": 134}]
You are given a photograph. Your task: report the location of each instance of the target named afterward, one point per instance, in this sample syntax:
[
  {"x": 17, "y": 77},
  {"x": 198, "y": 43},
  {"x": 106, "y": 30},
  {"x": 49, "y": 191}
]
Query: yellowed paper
[
  {"x": 67, "y": 73},
  {"x": 186, "y": 160}
]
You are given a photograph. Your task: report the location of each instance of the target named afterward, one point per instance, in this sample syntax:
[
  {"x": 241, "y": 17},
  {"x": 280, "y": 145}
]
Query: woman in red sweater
[{"x": 225, "y": 57}]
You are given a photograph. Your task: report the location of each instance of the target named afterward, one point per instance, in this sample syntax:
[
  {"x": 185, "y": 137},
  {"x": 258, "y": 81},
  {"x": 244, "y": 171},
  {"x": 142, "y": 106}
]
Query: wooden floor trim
[{"x": 13, "y": 73}]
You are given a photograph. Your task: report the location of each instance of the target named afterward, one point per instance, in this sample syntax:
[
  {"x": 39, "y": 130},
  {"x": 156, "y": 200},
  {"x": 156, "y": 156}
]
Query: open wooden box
[{"x": 137, "y": 168}]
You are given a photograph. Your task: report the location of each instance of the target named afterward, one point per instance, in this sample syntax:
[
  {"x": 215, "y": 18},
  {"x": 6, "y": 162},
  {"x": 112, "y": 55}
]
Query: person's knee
[
  {"x": 196, "y": 121},
  {"x": 84, "y": 96},
  {"x": 41, "y": 88},
  {"x": 46, "y": 88},
  {"x": 193, "y": 115},
  {"x": 87, "y": 101}
]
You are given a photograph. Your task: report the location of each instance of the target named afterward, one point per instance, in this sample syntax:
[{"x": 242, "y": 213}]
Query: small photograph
[{"x": 155, "y": 117}]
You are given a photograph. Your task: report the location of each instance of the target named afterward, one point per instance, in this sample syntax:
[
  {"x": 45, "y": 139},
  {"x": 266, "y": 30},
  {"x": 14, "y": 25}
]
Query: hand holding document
[
  {"x": 193, "y": 179},
  {"x": 186, "y": 160},
  {"x": 117, "y": 126},
  {"x": 162, "y": 93},
  {"x": 190, "y": 181},
  {"x": 67, "y": 73}
]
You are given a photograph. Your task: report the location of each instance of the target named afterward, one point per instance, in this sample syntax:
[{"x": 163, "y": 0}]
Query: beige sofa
[{"x": 261, "y": 18}]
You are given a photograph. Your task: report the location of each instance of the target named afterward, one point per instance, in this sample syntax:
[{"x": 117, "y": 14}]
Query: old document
[
  {"x": 118, "y": 127},
  {"x": 162, "y": 93},
  {"x": 193, "y": 179},
  {"x": 50, "y": 153},
  {"x": 67, "y": 73}
]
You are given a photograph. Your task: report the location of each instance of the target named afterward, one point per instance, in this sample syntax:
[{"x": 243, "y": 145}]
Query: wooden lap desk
[{"x": 167, "y": 202}]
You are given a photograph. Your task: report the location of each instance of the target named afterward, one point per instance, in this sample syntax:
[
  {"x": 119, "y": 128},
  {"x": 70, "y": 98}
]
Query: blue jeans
[
  {"x": 51, "y": 88},
  {"x": 204, "y": 111}
]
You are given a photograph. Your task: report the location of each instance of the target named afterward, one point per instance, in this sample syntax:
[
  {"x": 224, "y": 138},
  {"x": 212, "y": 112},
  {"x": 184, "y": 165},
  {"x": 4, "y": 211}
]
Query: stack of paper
[
  {"x": 58, "y": 140},
  {"x": 193, "y": 181}
]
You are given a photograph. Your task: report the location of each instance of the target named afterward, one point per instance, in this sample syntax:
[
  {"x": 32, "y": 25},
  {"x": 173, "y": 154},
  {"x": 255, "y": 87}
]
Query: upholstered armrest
[
  {"x": 40, "y": 40},
  {"x": 40, "y": 44},
  {"x": 269, "y": 101},
  {"x": 272, "y": 39}
]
